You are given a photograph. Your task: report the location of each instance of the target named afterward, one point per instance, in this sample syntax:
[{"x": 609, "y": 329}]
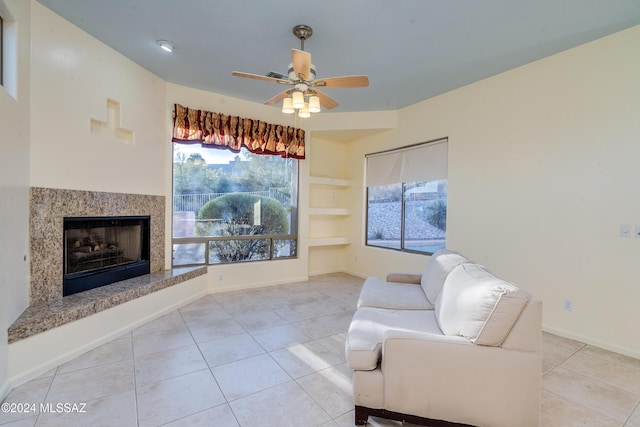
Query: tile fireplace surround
[
  {"x": 47, "y": 307},
  {"x": 48, "y": 207}
]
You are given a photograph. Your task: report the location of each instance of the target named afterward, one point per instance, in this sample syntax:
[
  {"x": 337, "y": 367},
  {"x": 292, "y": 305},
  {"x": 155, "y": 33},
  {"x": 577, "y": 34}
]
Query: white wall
[
  {"x": 14, "y": 178},
  {"x": 47, "y": 141},
  {"x": 542, "y": 171},
  {"x": 72, "y": 77}
]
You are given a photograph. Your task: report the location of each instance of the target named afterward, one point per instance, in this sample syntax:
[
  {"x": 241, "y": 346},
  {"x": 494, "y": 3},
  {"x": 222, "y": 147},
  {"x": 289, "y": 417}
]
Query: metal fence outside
[{"x": 193, "y": 202}]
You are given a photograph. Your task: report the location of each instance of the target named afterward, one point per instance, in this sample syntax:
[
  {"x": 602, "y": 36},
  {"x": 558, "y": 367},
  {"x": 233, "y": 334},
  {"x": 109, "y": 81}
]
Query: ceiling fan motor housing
[{"x": 312, "y": 73}]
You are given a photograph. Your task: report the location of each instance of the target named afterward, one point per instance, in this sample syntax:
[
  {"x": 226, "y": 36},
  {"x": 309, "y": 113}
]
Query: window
[
  {"x": 8, "y": 52},
  {"x": 407, "y": 198},
  {"x": 232, "y": 207},
  {"x": 1, "y": 50}
]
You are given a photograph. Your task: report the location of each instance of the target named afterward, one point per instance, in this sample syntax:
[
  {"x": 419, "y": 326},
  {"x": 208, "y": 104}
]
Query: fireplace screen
[{"x": 99, "y": 251}]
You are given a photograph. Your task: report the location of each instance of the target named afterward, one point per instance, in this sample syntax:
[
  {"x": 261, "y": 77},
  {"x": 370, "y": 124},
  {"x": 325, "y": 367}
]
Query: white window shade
[{"x": 424, "y": 162}]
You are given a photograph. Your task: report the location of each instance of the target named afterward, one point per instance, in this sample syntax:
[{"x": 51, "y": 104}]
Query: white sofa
[{"x": 455, "y": 345}]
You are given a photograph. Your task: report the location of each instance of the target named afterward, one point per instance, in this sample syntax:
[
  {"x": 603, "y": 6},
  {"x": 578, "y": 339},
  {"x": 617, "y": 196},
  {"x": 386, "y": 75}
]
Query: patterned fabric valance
[{"x": 232, "y": 132}]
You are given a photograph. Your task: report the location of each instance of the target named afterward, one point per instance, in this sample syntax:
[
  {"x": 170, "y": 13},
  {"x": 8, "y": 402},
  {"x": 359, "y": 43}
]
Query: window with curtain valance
[
  {"x": 238, "y": 203},
  {"x": 232, "y": 132}
]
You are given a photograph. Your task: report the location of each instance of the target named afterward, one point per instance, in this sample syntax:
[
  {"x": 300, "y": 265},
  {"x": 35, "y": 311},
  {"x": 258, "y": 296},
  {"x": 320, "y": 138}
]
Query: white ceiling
[{"x": 411, "y": 49}]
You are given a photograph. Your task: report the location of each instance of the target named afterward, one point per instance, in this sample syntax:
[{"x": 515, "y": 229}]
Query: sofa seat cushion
[
  {"x": 363, "y": 347},
  {"x": 393, "y": 295},
  {"x": 479, "y": 306},
  {"x": 438, "y": 268}
]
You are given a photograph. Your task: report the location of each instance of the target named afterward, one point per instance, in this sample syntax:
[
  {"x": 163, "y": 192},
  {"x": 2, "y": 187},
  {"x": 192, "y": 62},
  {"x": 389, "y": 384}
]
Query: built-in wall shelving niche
[
  {"x": 330, "y": 241},
  {"x": 329, "y": 216},
  {"x": 321, "y": 180},
  {"x": 329, "y": 211}
]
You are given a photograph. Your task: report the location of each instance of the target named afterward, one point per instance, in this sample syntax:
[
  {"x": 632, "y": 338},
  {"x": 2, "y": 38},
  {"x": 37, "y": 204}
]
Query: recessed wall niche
[{"x": 112, "y": 125}]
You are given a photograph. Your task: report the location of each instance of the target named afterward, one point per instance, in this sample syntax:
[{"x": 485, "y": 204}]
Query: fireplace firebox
[{"x": 102, "y": 250}]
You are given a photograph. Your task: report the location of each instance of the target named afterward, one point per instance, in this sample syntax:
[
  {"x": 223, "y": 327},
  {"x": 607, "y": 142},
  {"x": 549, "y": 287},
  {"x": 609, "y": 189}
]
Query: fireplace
[{"x": 102, "y": 250}]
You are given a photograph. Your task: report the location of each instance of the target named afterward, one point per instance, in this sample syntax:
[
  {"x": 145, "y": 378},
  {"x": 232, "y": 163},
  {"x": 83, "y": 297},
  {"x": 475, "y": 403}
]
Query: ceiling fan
[{"x": 304, "y": 94}]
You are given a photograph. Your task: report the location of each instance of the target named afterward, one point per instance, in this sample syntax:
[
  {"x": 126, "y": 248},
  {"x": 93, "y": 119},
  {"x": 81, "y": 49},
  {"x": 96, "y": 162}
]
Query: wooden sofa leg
[{"x": 362, "y": 415}]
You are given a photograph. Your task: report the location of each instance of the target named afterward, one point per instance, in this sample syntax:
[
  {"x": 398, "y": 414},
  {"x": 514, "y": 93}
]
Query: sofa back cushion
[
  {"x": 479, "y": 306},
  {"x": 437, "y": 270}
]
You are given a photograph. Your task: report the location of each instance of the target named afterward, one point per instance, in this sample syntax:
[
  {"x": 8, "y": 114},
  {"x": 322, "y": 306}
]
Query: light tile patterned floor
[{"x": 275, "y": 357}]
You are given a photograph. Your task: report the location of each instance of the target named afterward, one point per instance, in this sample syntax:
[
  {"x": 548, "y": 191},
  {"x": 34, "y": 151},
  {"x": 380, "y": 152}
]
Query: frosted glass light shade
[
  {"x": 287, "y": 106},
  {"x": 298, "y": 100},
  {"x": 304, "y": 112},
  {"x": 314, "y": 104}
]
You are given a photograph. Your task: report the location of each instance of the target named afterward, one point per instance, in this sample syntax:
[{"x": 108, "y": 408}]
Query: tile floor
[{"x": 275, "y": 357}]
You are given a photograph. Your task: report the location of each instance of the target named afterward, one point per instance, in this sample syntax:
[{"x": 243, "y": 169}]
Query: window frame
[
  {"x": 403, "y": 201},
  {"x": 1, "y": 50},
  {"x": 271, "y": 238}
]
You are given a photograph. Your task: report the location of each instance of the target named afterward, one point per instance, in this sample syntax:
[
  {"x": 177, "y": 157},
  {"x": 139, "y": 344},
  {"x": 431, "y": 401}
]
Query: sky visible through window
[{"x": 213, "y": 156}]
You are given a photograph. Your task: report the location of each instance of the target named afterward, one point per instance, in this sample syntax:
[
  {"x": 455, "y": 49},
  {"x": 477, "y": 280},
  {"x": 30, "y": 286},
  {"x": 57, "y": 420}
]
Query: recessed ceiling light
[{"x": 166, "y": 45}]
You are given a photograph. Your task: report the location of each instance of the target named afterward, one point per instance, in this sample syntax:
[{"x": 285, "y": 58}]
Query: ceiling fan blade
[
  {"x": 279, "y": 97},
  {"x": 326, "y": 101},
  {"x": 301, "y": 63},
  {"x": 259, "y": 77},
  {"x": 343, "y": 82}
]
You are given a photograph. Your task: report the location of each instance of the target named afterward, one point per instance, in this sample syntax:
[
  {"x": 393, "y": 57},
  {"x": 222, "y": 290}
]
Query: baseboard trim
[
  {"x": 241, "y": 287},
  {"x": 354, "y": 273},
  {"x": 20, "y": 352},
  {"x": 35, "y": 355},
  {"x": 5, "y": 389},
  {"x": 591, "y": 341}
]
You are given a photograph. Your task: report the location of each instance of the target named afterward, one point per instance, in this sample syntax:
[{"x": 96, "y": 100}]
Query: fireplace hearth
[{"x": 102, "y": 250}]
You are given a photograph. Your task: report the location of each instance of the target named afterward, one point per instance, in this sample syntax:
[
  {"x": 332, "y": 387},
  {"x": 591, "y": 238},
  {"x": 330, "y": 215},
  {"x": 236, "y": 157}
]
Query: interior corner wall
[
  {"x": 542, "y": 173},
  {"x": 14, "y": 183},
  {"x": 97, "y": 118}
]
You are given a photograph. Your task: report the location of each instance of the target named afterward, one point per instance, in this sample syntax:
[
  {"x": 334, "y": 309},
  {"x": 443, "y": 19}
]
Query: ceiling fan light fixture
[
  {"x": 287, "y": 106},
  {"x": 301, "y": 79},
  {"x": 304, "y": 112},
  {"x": 314, "y": 104},
  {"x": 298, "y": 100}
]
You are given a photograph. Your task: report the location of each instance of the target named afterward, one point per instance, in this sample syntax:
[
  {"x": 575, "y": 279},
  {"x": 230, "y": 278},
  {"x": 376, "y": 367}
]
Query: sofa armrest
[
  {"x": 421, "y": 336},
  {"x": 430, "y": 375},
  {"x": 404, "y": 278}
]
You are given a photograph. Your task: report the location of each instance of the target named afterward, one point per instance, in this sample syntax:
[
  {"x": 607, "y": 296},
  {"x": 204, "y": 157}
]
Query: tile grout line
[
  {"x": 582, "y": 406},
  {"x": 135, "y": 382},
  {"x": 291, "y": 378},
  {"x": 226, "y": 402},
  {"x": 637, "y": 408}
]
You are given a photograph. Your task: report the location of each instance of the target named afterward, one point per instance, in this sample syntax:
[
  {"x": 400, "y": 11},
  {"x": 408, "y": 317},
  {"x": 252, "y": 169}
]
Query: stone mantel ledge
[{"x": 44, "y": 316}]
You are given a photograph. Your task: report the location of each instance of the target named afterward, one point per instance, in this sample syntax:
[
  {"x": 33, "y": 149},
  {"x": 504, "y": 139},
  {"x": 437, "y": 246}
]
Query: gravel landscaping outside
[{"x": 384, "y": 222}]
